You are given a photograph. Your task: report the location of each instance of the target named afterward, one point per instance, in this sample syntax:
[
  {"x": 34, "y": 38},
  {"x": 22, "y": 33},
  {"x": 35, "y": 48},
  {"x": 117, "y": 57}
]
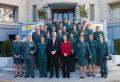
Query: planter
[
  {"x": 6, "y": 61},
  {"x": 116, "y": 59}
]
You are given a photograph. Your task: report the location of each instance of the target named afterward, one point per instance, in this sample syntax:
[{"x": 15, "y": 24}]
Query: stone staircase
[{"x": 11, "y": 69}]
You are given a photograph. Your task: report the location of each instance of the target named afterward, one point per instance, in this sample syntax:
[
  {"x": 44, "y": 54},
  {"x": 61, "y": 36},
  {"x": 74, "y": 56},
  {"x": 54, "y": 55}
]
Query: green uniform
[
  {"x": 17, "y": 51},
  {"x": 67, "y": 26},
  {"x": 82, "y": 48},
  {"x": 97, "y": 38},
  {"x": 29, "y": 47},
  {"x": 42, "y": 59},
  {"x": 43, "y": 33},
  {"x": 49, "y": 27},
  {"x": 72, "y": 57},
  {"x": 36, "y": 37},
  {"x": 59, "y": 36},
  {"x": 75, "y": 32},
  {"x": 65, "y": 33},
  {"x": 57, "y": 26},
  {"x": 103, "y": 53},
  {"x": 74, "y": 24},
  {"x": 87, "y": 33},
  {"x": 97, "y": 35},
  {"x": 93, "y": 49}
]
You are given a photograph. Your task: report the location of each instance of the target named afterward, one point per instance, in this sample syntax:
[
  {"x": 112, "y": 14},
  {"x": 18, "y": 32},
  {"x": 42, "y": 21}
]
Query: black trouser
[
  {"x": 72, "y": 63},
  {"x": 54, "y": 63},
  {"x": 65, "y": 66}
]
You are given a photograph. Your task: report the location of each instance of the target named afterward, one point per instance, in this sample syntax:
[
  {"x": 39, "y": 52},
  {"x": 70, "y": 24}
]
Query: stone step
[{"x": 111, "y": 67}]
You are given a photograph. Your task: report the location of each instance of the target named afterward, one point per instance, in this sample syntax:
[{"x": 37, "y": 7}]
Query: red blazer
[{"x": 65, "y": 48}]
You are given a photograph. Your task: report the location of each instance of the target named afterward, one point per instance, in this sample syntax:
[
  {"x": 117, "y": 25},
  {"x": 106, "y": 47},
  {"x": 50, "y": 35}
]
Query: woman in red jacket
[{"x": 65, "y": 55}]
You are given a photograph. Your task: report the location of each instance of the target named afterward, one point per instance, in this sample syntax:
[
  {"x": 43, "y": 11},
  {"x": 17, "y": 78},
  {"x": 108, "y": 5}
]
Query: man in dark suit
[{"x": 53, "y": 48}]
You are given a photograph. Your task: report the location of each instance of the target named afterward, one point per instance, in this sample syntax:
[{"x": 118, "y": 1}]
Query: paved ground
[{"x": 114, "y": 76}]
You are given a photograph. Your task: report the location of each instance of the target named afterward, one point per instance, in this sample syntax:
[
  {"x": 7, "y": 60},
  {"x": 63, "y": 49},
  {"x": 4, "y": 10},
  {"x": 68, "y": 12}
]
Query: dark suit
[{"x": 53, "y": 59}]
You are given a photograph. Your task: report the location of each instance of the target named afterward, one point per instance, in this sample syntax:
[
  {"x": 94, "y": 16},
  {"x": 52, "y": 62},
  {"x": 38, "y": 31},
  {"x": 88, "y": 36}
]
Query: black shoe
[
  {"x": 105, "y": 76},
  {"x": 26, "y": 76},
  {"x": 16, "y": 76},
  {"x": 80, "y": 77},
  {"x": 32, "y": 76},
  {"x": 20, "y": 76},
  {"x": 64, "y": 76},
  {"x": 89, "y": 74},
  {"x": 68, "y": 76},
  {"x": 83, "y": 77},
  {"x": 45, "y": 76},
  {"x": 102, "y": 76},
  {"x": 50, "y": 76},
  {"x": 57, "y": 76},
  {"x": 93, "y": 75},
  {"x": 40, "y": 76}
]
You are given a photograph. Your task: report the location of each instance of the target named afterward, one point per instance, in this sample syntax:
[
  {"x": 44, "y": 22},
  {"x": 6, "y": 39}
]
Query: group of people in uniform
[{"x": 62, "y": 45}]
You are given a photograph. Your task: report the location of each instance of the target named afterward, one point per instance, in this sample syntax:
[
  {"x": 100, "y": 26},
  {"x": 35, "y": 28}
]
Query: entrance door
[{"x": 63, "y": 13}]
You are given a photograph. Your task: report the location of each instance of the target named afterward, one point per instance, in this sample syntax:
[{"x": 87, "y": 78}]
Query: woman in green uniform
[
  {"x": 82, "y": 49},
  {"x": 17, "y": 55},
  {"x": 103, "y": 56},
  {"x": 42, "y": 58},
  {"x": 93, "y": 61}
]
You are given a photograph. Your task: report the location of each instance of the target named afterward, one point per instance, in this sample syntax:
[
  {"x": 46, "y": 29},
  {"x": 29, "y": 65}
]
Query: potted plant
[
  {"x": 116, "y": 56},
  {"x": 41, "y": 13},
  {"x": 6, "y": 56},
  {"x": 83, "y": 12}
]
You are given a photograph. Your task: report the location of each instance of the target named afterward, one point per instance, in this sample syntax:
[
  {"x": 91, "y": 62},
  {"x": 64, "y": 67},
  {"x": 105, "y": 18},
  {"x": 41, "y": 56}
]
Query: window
[
  {"x": 34, "y": 12},
  {"x": 8, "y": 14},
  {"x": 92, "y": 12},
  {"x": 115, "y": 13},
  {"x": 63, "y": 13}
]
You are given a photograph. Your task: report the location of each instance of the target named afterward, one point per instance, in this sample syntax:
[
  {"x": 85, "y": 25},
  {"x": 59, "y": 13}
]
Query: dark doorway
[
  {"x": 12, "y": 37},
  {"x": 63, "y": 13}
]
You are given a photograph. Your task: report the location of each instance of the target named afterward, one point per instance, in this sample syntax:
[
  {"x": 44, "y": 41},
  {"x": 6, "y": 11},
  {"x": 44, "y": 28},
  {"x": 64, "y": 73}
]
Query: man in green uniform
[
  {"x": 59, "y": 34},
  {"x": 65, "y": 23},
  {"x": 42, "y": 58},
  {"x": 57, "y": 25},
  {"x": 74, "y": 22},
  {"x": 49, "y": 25},
  {"x": 74, "y": 30},
  {"x": 65, "y": 32},
  {"x": 88, "y": 31},
  {"x": 103, "y": 56},
  {"x": 72, "y": 58},
  {"x": 36, "y": 35},
  {"x": 28, "y": 51},
  {"x": 97, "y": 34}
]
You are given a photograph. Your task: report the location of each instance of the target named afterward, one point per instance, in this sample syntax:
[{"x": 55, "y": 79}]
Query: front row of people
[{"x": 54, "y": 53}]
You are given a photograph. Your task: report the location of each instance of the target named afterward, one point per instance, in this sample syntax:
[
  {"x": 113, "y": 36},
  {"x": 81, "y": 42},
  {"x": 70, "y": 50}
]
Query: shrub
[
  {"x": 41, "y": 13},
  {"x": 117, "y": 46},
  {"x": 6, "y": 48}
]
